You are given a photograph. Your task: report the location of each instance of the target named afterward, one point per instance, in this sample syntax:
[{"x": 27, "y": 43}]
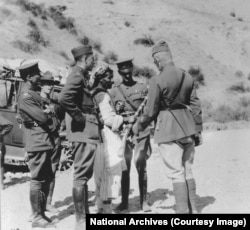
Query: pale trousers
[{"x": 178, "y": 157}]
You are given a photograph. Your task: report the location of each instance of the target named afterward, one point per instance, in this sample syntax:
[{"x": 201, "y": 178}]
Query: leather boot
[
  {"x": 86, "y": 199},
  {"x": 78, "y": 194},
  {"x": 192, "y": 196},
  {"x": 125, "y": 182},
  {"x": 143, "y": 183},
  {"x": 49, "y": 207},
  {"x": 37, "y": 199},
  {"x": 181, "y": 197}
]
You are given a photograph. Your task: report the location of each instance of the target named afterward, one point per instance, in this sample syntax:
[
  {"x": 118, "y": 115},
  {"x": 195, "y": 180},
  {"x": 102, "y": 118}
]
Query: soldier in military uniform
[
  {"x": 38, "y": 142},
  {"x": 172, "y": 99},
  {"x": 84, "y": 130},
  {"x": 127, "y": 97},
  {"x": 52, "y": 106},
  {"x": 5, "y": 128}
]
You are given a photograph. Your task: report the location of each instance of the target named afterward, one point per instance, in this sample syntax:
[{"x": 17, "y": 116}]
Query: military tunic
[
  {"x": 83, "y": 128},
  {"x": 178, "y": 118},
  {"x": 38, "y": 140},
  {"x": 174, "y": 119},
  {"x": 57, "y": 115}
]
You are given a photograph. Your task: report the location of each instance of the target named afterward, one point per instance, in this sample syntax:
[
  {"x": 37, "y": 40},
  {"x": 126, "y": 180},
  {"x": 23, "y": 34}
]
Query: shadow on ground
[
  {"x": 160, "y": 195},
  {"x": 69, "y": 206}
]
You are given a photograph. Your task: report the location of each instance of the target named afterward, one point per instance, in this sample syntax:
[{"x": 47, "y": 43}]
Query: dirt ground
[{"x": 221, "y": 169}]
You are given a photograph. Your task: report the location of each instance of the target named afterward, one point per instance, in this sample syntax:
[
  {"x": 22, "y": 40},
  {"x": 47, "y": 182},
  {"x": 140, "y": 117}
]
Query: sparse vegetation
[
  {"x": 196, "y": 73},
  {"x": 68, "y": 23},
  {"x": 239, "y": 88},
  {"x": 239, "y": 73},
  {"x": 244, "y": 102},
  {"x": 110, "y": 57},
  {"x": 35, "y": 34},
  {"x": 108, "y": 2},
  {"x": 240, "y": 19},
  {"x": 143, "y": 72},
  {"x": 248, "y": 77},
  {"x": 27, "y": 47},
  {"x": 128, "y": 24},
  {"x": 146, "y": 41},
  {"x": 224, "y": 114},
  {"x": 152, "y": 28},
  {"x": 54, "y": 12},
  {"x": 233, "y": 14},
  {"x": 36, "y": 9}
]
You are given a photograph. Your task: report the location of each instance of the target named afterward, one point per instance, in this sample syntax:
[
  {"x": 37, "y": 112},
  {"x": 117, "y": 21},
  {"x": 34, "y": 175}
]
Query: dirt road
[{"x": 221, "y": 169}]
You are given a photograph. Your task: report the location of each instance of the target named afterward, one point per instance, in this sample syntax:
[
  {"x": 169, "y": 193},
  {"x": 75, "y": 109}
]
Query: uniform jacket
[
  {"x": 135, "y": 94},
  {"x": 78, "y": 103},
  {"x": 174, "y": 120},
  {"x": 57, "y": 112},
  {"x": 36, "y": 122}
]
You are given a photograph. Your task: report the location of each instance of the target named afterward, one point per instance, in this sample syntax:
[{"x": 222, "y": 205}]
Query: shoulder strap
[
  {"x": 126, "y": 99},
  {"x": 172, "y": 99}
]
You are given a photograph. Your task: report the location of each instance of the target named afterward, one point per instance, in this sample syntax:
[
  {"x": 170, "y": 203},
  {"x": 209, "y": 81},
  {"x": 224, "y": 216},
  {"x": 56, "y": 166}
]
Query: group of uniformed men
[{"x": 172, "y": 105}]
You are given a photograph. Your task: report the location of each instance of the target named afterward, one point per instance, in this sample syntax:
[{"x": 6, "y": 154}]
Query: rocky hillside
[{"x": 213, "y": 36}]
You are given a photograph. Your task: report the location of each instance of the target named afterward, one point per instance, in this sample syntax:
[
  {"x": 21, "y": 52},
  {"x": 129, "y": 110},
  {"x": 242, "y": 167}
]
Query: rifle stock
[{"x": 129, "y": 126}]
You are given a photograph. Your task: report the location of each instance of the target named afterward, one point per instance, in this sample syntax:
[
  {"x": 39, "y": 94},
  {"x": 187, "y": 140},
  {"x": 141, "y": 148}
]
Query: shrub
[
  {"x": 26, "y": 46},
  {"x": 238, "y": 73},
  {"x": 248, "y": 77},
  {"x": 232, "y": 14},
  {"x": 36, "y": 9},
  {"x": 110, "y": 57},
  {"x": 144, "y": 72},
  {"x": 128, "y": 24},
  {"x": 207, "y": 110},
  {"x": 62, "y": 22},
  {"x": 240, "y": 19},
  {"x": 239, "y": 88},
  {"x": 108, "y": 2},
  {"x": 84, "y": 40},
  {"x": 146, "y": 41},
  {"x": 36, "y": 35},
  {"x": 197, "y": 74},
  {"x": 224, "y": 114},
  {"x": 244, "y": 102}
]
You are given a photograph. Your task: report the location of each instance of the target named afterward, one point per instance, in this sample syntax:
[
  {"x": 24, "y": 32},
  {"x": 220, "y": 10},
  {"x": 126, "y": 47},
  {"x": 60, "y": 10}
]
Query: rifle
[{"x": 128, "y": 127}]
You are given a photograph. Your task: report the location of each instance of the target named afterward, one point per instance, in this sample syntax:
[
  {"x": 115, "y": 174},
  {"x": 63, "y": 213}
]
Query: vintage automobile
[{"x": 10, "y": 88}]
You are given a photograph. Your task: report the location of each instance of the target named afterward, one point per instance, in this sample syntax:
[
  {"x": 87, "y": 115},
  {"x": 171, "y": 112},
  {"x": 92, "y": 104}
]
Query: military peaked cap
[
  {"x": 125, "y": 64},
  {"x": 29, "y": 69}
]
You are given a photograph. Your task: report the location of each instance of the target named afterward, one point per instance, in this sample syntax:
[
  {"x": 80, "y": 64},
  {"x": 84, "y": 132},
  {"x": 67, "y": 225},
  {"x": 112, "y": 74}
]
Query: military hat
[
  {"x": 47, "y": 77},
  {"x": 124, "y": 64},
  {"x": 161, "y": 46},
  {"x": 82, "y": 50},
  {"x": 29, "y": 69}
]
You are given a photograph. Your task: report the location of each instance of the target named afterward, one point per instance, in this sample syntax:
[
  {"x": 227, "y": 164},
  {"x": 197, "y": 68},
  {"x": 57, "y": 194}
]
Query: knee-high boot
[
  {"x": 49, "y": 207},
  {"x": 86, "y": 199},
  {"x": 192, "y": 195},
  {"x": 79, "y": 200},
  {"x": 143, "y": 183},
  {"x": 181, "y": 197},
  {"x": 125, "y": 183},
  {"x": 37, "y": 204}
]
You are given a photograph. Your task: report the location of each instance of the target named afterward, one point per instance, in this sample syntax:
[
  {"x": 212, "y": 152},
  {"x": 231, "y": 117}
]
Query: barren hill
[{"x": 214, "y": 35}]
